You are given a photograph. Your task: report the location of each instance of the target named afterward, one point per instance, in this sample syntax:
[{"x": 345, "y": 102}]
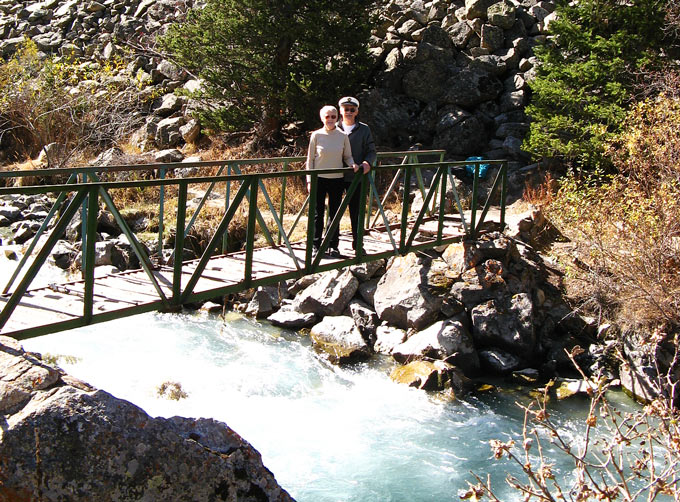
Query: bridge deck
[{"x": 60, "y": 306}]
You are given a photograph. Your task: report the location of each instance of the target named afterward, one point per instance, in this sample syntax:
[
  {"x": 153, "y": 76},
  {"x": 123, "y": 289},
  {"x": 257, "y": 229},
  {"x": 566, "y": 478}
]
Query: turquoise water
[{"x": 328, "y": 434}]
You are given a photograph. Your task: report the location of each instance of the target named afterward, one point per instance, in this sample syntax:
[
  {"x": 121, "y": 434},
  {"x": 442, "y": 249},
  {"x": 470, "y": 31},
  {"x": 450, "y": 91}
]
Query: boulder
[
  {"x": 340, "y": 339},
  {"x": 425, "y": 82},
  {"x": 445, "y": 340},
  {"x": 62, "y": 254},
  {"x": 387, "y": 338},
  {"x": 167, "y": 132},
  {"x": 365, "y": 319},
  {"x": 190, "y": 131},
  {"x": 492, "y": 37},
  {"x": 367, "y": 291},
  {"x": 471, "y": 87},
  {"x": 170, "y": 104},
  {"x": 291, "y": 319},
  {"x": 565, "y": 388},
  {"x": 329, "y": 295},
  {"x": 498, "y": 362},
  {"x": 402, "y": 297},
  {"x": 64, "y": 440},
  {"x": 502, "y": 14},
  {"x": 261, "y": 304},
  {"x": 168, "y": 156},
  {"x": 464, "y": 137},
  {"x": 507, "y": 324},
  {"x": 460, "y": 34},
  {"x": 476, "y": 8},
  {"x": 428, "y": 375},
  {"x": 365, "y": 271}
]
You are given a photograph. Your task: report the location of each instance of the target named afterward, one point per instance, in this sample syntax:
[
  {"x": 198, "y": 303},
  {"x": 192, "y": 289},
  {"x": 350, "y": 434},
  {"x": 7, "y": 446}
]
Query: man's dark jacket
[{"x": 363, "y": 146}]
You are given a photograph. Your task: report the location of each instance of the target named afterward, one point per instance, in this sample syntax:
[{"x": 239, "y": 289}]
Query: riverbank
[{"x": 328, "y": 433}]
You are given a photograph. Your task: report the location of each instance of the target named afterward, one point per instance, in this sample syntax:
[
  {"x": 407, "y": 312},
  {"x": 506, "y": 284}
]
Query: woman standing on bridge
[{"x": 329, "y": 148}]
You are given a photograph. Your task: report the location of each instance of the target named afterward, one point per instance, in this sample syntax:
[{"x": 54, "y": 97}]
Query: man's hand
[
  {"x": 355, "y": 167},
  {"x": 366, "y": 166}
]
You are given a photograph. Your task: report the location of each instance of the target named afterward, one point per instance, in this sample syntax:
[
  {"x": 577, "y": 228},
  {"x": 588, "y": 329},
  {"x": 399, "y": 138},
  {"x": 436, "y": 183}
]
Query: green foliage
[
  {"x": 264, "y": 62},
  {"x": 587, "y": 75}
]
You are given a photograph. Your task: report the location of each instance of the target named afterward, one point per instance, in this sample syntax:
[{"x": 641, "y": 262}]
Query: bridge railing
[{"x": 248, "y": 194}]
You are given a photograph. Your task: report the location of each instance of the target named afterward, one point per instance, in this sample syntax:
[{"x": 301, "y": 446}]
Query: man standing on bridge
[{"x": 363, "y": 153}]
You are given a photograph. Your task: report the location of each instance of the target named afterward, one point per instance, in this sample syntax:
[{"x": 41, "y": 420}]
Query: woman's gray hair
[{"x": 327, "y": 108}]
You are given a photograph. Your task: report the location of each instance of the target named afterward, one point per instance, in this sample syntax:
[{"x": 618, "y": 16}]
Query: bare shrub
[
  {"x": 631, "y": 456},
  {"x": 73, "y": 105},
  {"x": 627, "y": 226}
]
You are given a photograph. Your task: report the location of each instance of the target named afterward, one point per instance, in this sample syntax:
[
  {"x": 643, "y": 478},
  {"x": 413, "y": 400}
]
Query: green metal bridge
[{"x": 254, "y": 197}]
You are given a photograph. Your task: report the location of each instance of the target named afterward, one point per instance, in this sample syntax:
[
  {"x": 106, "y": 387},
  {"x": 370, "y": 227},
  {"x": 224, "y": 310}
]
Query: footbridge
[{"x": 255, "y": 219}]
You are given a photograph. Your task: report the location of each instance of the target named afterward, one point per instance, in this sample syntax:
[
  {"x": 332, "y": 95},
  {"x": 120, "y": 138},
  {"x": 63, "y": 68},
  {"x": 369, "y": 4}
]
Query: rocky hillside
[{"x": 449, "y": 74}]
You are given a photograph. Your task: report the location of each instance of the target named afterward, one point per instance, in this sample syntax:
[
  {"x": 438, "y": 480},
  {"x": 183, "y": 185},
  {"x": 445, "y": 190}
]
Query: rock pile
[
  {"x": 64, "y": 440},
  {"x": 454, "y": 74},
  {"x": 485, "y": 307}
]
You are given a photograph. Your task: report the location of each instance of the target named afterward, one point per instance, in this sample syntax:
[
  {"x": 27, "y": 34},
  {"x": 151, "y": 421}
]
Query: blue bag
[{"x": 470, "y": 168}]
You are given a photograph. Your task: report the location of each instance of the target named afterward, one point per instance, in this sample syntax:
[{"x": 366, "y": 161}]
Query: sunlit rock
[{"x": 339, "y": 339}]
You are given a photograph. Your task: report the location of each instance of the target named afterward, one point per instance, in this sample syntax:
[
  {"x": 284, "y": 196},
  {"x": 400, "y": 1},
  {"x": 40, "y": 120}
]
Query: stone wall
[{"x": 454, "y": 74}]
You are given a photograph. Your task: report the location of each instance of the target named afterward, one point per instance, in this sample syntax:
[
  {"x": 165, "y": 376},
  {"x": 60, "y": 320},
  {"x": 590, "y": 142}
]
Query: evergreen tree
[
  {"x": 587, "y": 75},
  {"x": 264, "y": 62}
]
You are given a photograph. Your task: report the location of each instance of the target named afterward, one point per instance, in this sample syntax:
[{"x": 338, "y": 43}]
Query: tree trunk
[{"x": 268, "y": 131}]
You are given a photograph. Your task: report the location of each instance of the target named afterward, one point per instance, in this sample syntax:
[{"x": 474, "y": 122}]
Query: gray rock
[
  {"x": 339, "y": 339},
  {"x": 492, "y": 37},
  {"x": 328, "y": 296},
  {"x": 367, "y": 291},
  {"x": 168, "y": 156},
  {"x": 63, "y": 254},
  {"x": 365, "y": 271},
  {"x": 402, "y": 297},
  {"x": 24, "y": 230},
  {"x": 12, "y": 213},
  {"x": 170, "y": 104},
  {"x": 261, "y": 304},
  {"x": 190, "y": 131},
  {"x": 502, "y": 14},
  {"x": 435, "y": 376},
  {"x": 471, "y": 87},
  {"x": 365, "y": 319},
  {"x": 460, "y": 34},
  {"x": 507, "y": 324},
  {"x": 291, "y": 319},
  {"x": 93, "y": 446},
  {"x": 387, "y": 338},
  {"x": 498, "y": 362},
  {"x": 426, "y": 82},
  {"x": 513, "y": 100},
  {"x": 445, "y": 340},
  {"x": 493, "y": 64},
  {"x": 167, "y": 132},
  {"x": 406, "y": 30},
  {"x": 465, "y": 137},
  {"x": 476, "y": 8}
]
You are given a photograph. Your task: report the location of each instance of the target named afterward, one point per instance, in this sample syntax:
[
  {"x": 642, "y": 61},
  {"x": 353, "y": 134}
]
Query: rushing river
[{"x": 329, "y": 434}]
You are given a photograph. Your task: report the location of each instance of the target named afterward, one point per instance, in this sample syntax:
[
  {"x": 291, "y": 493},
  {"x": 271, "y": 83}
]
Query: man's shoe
[{"x": 334, "y": 253}]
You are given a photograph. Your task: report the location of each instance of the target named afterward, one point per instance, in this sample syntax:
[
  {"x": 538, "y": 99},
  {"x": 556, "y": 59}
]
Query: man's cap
[{"x": 348, "y": 100}]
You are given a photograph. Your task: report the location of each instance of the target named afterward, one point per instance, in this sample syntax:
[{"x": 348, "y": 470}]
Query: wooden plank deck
[{"x": 130, "y": 292}]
